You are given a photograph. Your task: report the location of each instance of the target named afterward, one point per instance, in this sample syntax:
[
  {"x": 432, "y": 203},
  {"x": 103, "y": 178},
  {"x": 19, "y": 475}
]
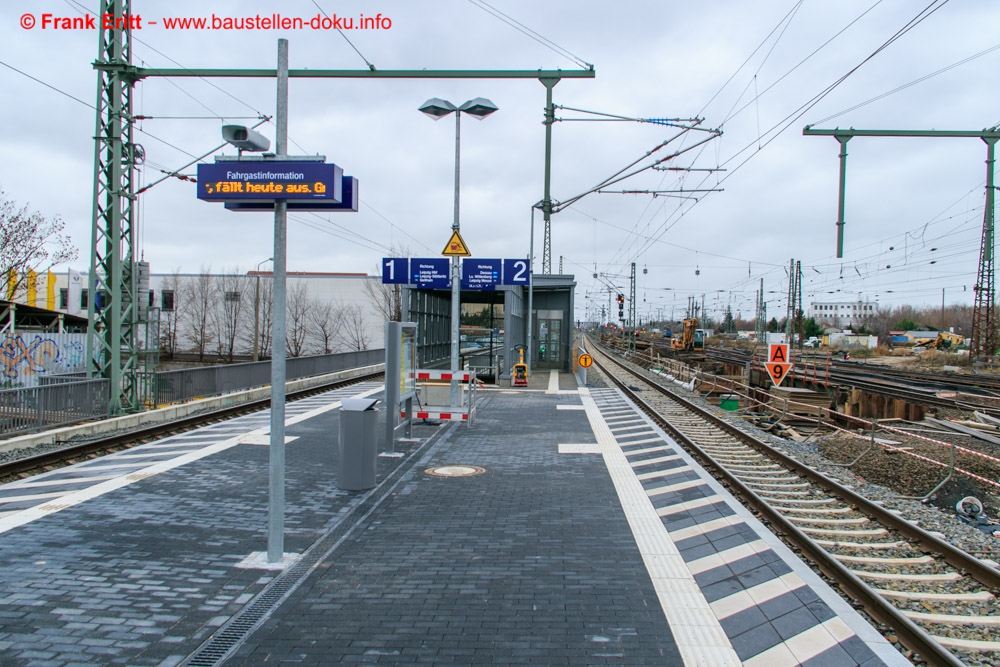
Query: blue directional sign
[
  {"x": 481, "y": 274},
  {"x": 516, "y": 271},
  {"x": 395, "y": 270},
  {"x": 434, "y": 273},
  {"x": 267, "y": 180}
]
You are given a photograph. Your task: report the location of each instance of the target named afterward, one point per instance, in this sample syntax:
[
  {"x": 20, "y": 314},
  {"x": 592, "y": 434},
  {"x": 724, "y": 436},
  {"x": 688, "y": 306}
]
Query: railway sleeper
[
  {"x": 917, "y": 560},
  {"x": 874, "y": 532},
  {"x": 978, "y": 596},
  {"x": 902, "y": 576}
]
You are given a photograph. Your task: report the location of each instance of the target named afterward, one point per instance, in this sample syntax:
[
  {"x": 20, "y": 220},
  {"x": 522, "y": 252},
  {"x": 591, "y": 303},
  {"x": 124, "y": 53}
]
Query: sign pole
[
  {"x": 276, "y": 483},
  {"x": 456, "y": 273}
]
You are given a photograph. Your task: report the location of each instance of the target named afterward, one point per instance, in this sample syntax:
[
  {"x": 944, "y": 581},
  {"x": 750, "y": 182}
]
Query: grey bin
[{"x": 357, "y": 450}]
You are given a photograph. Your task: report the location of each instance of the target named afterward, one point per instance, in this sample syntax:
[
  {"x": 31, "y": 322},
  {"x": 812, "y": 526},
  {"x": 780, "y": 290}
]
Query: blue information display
[
  {"x": 434, "y": 273},
  {"x": 395, "y": 270},
  {"x": 481, "y": 274},
  {"x": 267, "y": 180},
  {"x": 516, "y": 272}
]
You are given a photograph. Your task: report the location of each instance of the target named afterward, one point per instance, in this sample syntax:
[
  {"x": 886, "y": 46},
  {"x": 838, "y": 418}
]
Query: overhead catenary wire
[
  {"x": 781, "y": 126},
  {"x": 525, "y": 30}
]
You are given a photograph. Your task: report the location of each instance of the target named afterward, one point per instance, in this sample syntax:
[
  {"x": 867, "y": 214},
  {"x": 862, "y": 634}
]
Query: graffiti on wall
[{"x": 24, "y": 357}]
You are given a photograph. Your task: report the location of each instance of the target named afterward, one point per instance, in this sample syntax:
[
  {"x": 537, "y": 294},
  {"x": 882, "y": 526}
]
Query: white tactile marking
[
  {"x": 30, "y": 497},
  {"x": 592, "y": 448},
  {"x": 803, "y": 646},
  {"x": 728, "y": 556},
  {"x": 644, "y": 441},
  {"x": 679, "y": 486},
  {"x": 756, "y": 595},
  {"x": 618, "y": 430},
  {"x": 699, "y": 636},
  {"x": 649, "y": 450},
  {"x": 553, "y": 382},
  {"x": 71, "y": 499},
  {"x": 687, "y": 505},
  {"x": 30, "y": 483},
  {"x": 706, "y": 527},
  {"x": 569, "y": 407}
]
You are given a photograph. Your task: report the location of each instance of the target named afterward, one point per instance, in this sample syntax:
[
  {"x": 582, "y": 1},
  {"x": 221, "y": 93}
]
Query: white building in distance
[{"x": 842, "y": 314}]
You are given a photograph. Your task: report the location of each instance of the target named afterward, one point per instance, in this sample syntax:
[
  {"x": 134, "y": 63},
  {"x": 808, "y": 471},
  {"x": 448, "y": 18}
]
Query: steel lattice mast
[
  {"x": 984, "y": 325},
  {"x": 112, "y": 311}
]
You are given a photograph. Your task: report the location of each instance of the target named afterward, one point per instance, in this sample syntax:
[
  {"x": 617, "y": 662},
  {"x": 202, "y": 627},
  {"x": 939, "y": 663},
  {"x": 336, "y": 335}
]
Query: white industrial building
[{"x": 842, "y": 314}]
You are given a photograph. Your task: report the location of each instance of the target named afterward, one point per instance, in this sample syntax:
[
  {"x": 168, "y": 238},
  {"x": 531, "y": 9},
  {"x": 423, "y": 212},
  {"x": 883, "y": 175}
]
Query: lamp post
[
  {"x": 479, "y": 108},
  {"x": 256, "y": 310}
]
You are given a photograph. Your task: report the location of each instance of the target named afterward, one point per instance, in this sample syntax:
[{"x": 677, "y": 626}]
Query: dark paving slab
[{"x": 531, "y": 562}]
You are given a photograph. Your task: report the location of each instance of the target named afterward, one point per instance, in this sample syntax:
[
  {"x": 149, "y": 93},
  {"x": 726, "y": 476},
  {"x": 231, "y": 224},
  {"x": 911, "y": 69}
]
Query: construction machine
[{"x": 689, "y": 339}]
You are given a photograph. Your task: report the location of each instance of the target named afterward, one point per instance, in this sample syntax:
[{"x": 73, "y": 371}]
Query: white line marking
[
  {"x": 553, "y": 382},
  {"x": 592, "y": 448},
  {"x": 569, "y": 407}
]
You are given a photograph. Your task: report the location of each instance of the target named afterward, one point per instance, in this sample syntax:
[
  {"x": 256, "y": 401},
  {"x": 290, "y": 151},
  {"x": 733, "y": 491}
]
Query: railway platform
[{"x": 561, "y": 528}]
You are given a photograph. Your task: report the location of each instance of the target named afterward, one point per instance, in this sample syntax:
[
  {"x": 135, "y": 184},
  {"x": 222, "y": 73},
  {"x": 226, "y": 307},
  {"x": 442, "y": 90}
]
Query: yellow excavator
[{"x": 689, "y": 339}]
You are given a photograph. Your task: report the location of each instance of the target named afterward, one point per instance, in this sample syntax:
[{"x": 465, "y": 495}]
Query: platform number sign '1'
[{"x": 778, "y": 364}]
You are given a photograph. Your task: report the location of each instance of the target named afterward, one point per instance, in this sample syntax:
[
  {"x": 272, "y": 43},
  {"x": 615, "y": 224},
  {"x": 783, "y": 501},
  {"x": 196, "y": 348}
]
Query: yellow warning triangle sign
[{"x": 456, "y": 246}]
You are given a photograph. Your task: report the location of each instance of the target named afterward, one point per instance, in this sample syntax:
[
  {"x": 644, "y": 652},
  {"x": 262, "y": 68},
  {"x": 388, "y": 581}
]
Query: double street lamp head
[{"x": 478, "y": 108}]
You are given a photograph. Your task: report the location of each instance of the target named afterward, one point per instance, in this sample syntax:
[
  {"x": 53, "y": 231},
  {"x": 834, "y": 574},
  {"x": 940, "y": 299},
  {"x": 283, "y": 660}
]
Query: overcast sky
[{"x": 759, "y": 71}]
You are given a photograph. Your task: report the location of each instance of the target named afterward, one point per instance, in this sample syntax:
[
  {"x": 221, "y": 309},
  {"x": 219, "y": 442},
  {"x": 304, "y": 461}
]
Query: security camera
[{"x": 244, "y": 138}]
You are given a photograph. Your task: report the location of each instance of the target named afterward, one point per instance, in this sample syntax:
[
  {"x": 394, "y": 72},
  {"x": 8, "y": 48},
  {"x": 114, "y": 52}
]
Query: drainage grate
[
  {"x": 222, "y": 644},
  {"x": 455, "y": 471}
]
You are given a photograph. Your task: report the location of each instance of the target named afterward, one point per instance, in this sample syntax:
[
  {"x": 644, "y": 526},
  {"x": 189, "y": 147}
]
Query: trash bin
[
  {"x": 357, "y": 450},
  {"x": 730, "y": 402}
]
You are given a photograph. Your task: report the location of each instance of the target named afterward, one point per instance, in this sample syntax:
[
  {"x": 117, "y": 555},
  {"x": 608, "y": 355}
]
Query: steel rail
[
  {"x": 910, "y": 634},
  {"x": 58, "y": 457}
]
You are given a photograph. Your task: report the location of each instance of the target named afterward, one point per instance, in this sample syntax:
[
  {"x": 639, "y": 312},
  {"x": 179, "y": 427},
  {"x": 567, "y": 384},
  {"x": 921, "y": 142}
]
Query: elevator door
[{"x": 549, "y": 336}]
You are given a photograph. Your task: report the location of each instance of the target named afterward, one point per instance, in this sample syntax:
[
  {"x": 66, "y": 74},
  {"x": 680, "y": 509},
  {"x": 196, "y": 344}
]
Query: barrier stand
[{"x": 429, "y": 379}]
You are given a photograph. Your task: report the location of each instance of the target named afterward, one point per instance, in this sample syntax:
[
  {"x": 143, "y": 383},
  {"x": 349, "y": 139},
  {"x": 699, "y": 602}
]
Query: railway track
[
  {"x": 27, "y": 466},
  {"x": 938, "y": 600}
]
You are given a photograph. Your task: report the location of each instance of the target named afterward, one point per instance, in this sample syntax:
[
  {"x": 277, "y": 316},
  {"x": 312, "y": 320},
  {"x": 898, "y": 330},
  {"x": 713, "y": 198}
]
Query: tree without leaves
[
  {"x": 297, "y": 309},
  {"x": 326, "y": 320},
  {"x": 170, "y": 318},
  {"x": 235, "y": 291},
  {"x": 30, "y": 241},
  {"x": 200, "y": 294},
  {"x": 386, "y": 299},
  {"x": 354, "y": 332}
]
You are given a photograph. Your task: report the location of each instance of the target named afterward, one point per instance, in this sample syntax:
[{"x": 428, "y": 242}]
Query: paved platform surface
[{"x": 583, "y": 538}]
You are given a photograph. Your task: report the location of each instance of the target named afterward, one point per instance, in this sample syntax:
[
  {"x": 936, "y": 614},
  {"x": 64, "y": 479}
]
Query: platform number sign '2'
[
  {"x": 516, "y": 271},
  {"x": 778, "y": 364}
]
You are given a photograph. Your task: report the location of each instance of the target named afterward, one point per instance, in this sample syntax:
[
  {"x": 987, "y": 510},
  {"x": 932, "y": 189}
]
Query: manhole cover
[{"x": 455, "y": 471}]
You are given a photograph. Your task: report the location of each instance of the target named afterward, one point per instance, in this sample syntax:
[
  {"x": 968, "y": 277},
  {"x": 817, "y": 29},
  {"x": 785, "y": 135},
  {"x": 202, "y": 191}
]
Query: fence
[
  {"x": 486, "y": 362},
  {"x": 182, "y": 385},
  {"x": 38, "y": 408},
  {"x": 64, "y": 399}
]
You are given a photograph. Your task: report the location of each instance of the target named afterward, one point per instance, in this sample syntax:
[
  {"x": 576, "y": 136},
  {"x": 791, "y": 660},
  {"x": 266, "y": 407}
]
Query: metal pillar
[
  {"x": 790, "y": 306},
  {"x": 631, "y": 311},
  {"x": 550, "y": 118},
  {"x": 984, "y": 325},
  {"x": 112, "y": 328},
  {"x": 456, "y": 272},
  {"x": 842, "y": 198},
  {"x": 276, "y": 495}
]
